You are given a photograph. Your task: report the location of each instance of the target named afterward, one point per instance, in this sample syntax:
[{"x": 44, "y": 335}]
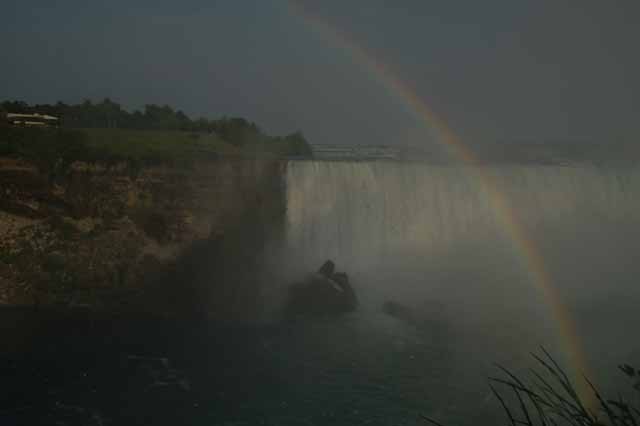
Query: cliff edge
[{"x": 160, "y": 239}]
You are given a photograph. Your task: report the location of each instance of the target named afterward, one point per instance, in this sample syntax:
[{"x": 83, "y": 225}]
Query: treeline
[{"x": 109, "y": 114}]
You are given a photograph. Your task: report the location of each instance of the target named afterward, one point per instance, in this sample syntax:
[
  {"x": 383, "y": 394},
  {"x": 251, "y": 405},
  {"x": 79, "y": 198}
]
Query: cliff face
[{"x": 158, "y": 239}]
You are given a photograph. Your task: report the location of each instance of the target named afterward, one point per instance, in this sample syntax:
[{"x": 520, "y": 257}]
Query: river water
[{"x": 430, "y": 238}]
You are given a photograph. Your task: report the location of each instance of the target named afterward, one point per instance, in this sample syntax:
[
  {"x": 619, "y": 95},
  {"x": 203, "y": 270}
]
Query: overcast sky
[{"x": 494, "y": 70}]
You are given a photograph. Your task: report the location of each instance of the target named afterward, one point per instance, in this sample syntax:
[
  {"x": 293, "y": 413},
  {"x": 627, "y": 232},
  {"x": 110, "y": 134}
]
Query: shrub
[{"x": 48, "y": 147}]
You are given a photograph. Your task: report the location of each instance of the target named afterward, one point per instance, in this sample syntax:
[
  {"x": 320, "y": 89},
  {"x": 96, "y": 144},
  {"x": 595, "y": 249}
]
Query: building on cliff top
[{"x": 34, "y": 119}]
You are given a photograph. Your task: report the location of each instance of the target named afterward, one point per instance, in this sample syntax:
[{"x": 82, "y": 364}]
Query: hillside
[
  {"x": 56, "y": 147},
  {"x": 158, "y": 133}
]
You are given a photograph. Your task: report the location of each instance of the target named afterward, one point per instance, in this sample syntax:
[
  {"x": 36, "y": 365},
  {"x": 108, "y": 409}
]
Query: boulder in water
[
  {"x": 324, "y": 293},
  {"x": 327, "y": 269},
  {"x": 428, "y": 313},
  {"x": 399, "y": 311}
]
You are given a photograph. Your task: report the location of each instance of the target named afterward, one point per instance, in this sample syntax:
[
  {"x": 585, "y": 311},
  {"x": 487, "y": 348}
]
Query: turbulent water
[{"x": 432, "y": 238}]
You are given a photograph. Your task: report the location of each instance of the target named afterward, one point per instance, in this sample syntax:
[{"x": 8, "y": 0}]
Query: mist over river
[
  {"x": 428, "y": 237},
  {"x": 435, "y": 239}
]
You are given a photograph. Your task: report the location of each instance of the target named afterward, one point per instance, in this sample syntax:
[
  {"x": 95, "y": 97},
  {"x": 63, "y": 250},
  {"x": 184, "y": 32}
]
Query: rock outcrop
[
  {"x": 424, "y": 314},
  {"x": 324, "y": 293},
  {"x": 125, "y": 238}
]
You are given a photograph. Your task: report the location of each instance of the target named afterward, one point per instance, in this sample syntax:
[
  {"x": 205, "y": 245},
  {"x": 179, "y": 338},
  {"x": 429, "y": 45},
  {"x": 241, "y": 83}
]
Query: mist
[{"x": 429, "y": 238}]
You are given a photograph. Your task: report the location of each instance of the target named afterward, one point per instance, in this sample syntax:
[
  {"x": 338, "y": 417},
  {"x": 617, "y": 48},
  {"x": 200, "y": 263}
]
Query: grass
[
  {"x": 156, "y": 145},
  {"x": 54, "y": 148},
  {"x": 550, "y": 398}
]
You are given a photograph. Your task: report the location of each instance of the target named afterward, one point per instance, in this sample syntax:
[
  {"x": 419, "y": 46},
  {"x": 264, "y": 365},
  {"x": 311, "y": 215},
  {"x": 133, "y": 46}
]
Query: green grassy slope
[
  {"x": 156, "y": 145},
  {"x": 51, "y": 146}
]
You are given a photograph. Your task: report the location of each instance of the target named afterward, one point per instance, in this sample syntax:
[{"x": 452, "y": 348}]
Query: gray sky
[{"x": 495, "y": 70}]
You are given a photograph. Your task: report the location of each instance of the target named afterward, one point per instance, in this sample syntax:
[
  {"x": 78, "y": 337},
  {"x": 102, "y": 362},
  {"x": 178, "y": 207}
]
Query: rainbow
[{"x": 523, "y": 246}]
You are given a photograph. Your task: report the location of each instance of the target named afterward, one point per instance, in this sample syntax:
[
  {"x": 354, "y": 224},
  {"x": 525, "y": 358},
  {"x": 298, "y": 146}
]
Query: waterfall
[
  {"x": 428, "y": 236},
  {"x": 411, "y": 222}
]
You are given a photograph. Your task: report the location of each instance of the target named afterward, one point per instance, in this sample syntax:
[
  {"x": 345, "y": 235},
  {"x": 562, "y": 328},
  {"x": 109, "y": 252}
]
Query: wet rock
[
  {"x": 327, "y": 269},
  {"x": 85, "y": 235},
  {"x": 84, "y": 225},
  {"x": 425, "y": 315},
  {"x": 156, "y": 226},
  {"x": 399, "y": 311},
  {"x": 54, "y": 261},
  {"x": 324, "y": 293}
]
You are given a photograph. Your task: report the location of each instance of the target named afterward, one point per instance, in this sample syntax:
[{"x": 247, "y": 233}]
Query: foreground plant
[{"x": 550, "y": 398}]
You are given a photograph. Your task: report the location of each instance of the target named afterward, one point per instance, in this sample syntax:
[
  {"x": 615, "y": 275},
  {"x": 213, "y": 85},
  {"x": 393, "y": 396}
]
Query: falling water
[
  {"x": 386, "y": 217},
  {"x": 428, "y": 236},
  {"x": 360, "y": 213}
]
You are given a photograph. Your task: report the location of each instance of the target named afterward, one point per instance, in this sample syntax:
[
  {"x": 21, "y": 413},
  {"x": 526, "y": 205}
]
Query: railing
[{"x": 354, "y": 152}]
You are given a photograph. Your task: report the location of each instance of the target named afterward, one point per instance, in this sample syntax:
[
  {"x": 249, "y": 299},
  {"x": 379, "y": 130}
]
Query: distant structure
[
  {"x": 32, "y": 120},
  {"x": 354, "y": 152}
]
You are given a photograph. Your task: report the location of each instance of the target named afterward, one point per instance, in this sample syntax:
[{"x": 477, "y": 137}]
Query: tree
[
  {"x": 236, "y": 131},
  {"x": 297, "y": 145},
  {"x": 3, "y": 117},
  {"x": 16, "y": 107}
]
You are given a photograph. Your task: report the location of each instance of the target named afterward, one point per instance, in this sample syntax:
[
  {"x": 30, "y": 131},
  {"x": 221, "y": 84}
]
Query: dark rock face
[
  {"x": 327, "y": 269},
  {"x": 167, "y": 239},
  {"x": 324, "y": 293}
]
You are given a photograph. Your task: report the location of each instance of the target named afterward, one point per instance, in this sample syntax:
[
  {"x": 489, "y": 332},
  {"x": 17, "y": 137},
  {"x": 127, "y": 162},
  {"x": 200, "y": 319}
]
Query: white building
[{"x": 32, "y": 119}]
